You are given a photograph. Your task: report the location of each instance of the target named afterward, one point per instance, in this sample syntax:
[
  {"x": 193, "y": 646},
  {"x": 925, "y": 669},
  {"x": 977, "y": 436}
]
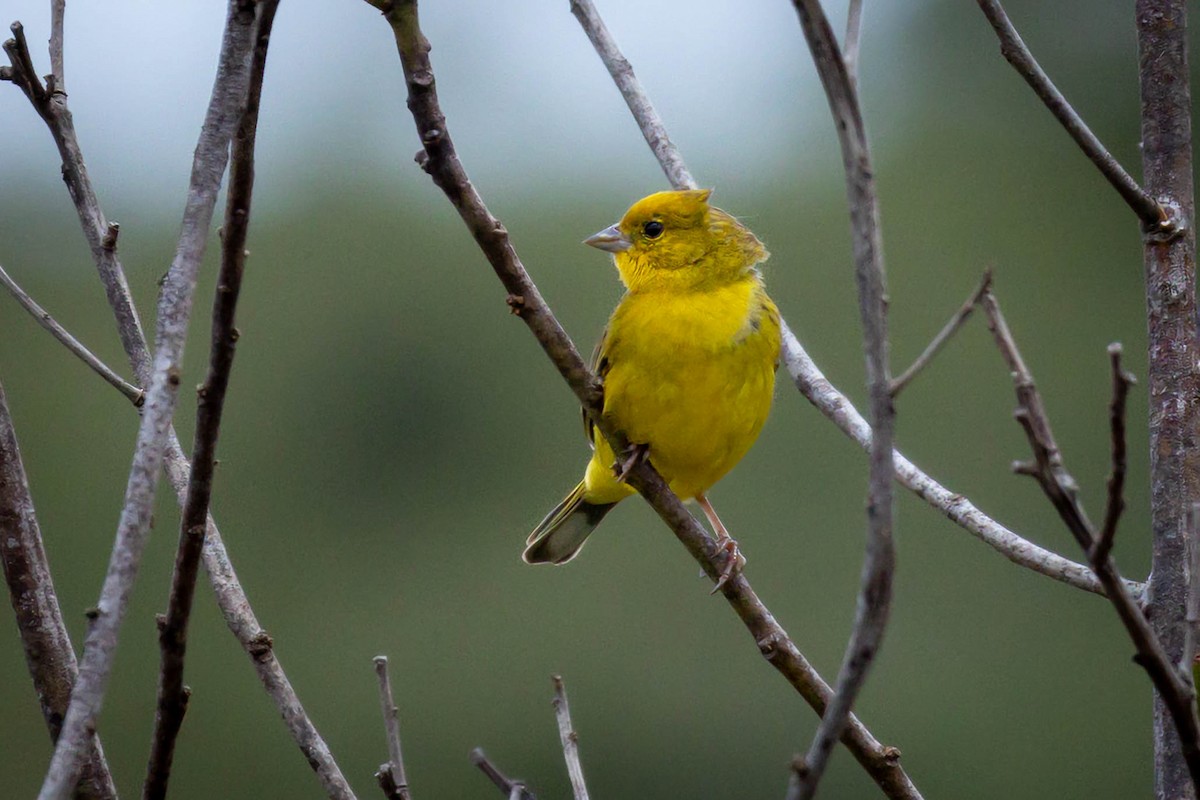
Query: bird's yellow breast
[{"x": 691, "y": 375}]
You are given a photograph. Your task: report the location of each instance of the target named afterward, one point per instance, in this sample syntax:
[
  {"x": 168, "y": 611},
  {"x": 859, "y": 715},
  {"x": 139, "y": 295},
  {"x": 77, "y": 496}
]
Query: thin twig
[
  {"x": 135, "y": 395},
  {"x": 58, "y": 11},
  {"x": 391, "y": 775},
  {"x": 1013, "y": 48},
  {"x": 231, "y": 596},
  {"x": 635, "y": 97},
  {"x": 512, "y": 789},
  {"x": 569, "y": 738},
  {"x": 48, "y": 651},
  {"x": 1060, "y": 488},
  {"x": 172, "y": 694},
  {"x": 440, "y": 160},
  {"x": 879, "y": 562},
  {"x": 934, "y": 347},
  {"x": 852, "y": 39},
  {"x": 1121, "y": 381},
  {"x": 832, "y": 403},
  {"x": 175, "y": 304}
]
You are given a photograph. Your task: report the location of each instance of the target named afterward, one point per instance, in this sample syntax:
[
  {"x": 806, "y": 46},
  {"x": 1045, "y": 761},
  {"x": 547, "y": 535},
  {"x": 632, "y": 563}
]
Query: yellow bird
[{"x": 688, "y": 362}]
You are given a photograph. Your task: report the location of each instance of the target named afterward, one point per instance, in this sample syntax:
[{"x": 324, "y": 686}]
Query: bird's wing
[{"x": 599, "y": 366}]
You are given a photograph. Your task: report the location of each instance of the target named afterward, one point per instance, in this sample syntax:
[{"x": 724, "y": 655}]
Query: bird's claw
[
  {"x": 634, "y": 455},
  {"x": 734, "y": 562}
]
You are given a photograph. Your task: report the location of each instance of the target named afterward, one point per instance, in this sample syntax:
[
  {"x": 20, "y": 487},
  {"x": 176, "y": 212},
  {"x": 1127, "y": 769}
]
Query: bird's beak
[{"x": 610, "y": 239}]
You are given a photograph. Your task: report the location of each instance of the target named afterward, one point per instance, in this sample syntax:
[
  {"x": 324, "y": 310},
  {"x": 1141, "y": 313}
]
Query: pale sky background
[{"x": 527, "y": 99}]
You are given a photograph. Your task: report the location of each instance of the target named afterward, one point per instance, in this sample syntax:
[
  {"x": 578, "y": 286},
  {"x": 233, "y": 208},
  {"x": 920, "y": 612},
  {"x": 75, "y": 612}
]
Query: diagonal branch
[
  {"x": 512, "y": 789},
  {"x": 831, "y": 402},
  {"x": 934, "y": 347},
  {"x": 231, "y": 597},
  {"x": 1122, "y": 379},
  {"x": 48, "y": 651},
  {"x": 440, "y": 160},
  {"x": 1060, "y": 488},
  {"x": 879, "y": 563},
  {"x": 175, "y": 305},
  {"x": 172, "y": 694},
  {"x": 1153, "y": 215},
  {"x": 135, "y": 395}
]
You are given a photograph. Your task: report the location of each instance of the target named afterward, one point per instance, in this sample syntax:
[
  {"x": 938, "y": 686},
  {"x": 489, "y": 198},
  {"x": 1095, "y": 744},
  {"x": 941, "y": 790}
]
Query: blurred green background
[{"x": 392, "y": 433}]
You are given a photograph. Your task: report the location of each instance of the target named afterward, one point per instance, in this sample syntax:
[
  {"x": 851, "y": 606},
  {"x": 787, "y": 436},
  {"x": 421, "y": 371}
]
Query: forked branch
[{"x": 1048, "y": 469}]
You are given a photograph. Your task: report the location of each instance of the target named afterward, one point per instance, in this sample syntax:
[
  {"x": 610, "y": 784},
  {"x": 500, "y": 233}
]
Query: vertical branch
[
  {"x": 172, "y": 694},
  {"x": 48, "y": 651},
  {"x": 175, "y": 305},
  {"x": 1173, "y": 383},
  {"x": 58, "y": 11},
  {"x": 569, "y": 738},
  {"x": 875, "y": 594},
  {"x": 391, "y": 776}
]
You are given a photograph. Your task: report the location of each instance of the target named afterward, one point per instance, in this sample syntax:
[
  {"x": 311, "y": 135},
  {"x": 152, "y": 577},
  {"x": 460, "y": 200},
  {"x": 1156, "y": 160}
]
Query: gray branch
[
  {"x": 391, "y": 776},
  {"x": 879, "y": 564},
  {"x": 48, "y": 651},
  {"x": 569, "y": 739},
  {"x": 174, "y": 311}
]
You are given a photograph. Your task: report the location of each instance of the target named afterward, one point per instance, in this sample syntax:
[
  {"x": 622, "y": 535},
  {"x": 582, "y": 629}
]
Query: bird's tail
[{"x": 560, "y": 536}]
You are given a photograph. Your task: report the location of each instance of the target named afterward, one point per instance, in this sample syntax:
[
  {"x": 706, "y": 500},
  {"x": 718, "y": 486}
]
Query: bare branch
[
  {"x": 391, "y": 775},
  {"x": 879, "y": 563},
  {"x": 231, "y": 597},
  {"x": 852, "y": 39},
  {"x": 570, "y": 739},
  {"x": 135, "y": 395},
  {"x": 1012, "y": 47},
  {"x": 635, "y": 97},
  {"x": 58, "y": 11},
  {"x": 1172, "y": 381},
  {"x": 514, "y": 790},
  {"x": 48, "y": 651},
  {"x": 440, "y": 160},
  {"x": 1121, "y": 381},
  {"x": 175, "y": 304},
  {"x": 172, "y": 694},
  {"x": 935, "y": 346},
  {"x": 1060, "y": 488}
]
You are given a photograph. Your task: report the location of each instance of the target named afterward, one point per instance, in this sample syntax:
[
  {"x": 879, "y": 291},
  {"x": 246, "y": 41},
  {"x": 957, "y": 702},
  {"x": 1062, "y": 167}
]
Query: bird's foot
[
  {"x": 734, "y": 561},
  {"x": 633, "y": 455}
]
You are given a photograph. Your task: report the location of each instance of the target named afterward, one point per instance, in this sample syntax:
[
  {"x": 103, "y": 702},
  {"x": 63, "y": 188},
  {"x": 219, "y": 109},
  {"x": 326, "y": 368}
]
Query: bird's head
[{"x": 676, "y": 241}]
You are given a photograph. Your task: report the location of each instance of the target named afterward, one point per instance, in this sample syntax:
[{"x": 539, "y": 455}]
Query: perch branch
[
  {"x": 1013, "y": 48},
  {"x": 439, "y": 159},
  {"x": 934, "y": 347},
  {"x": 391, "y": 775},
  {"x": 1060, "y": 488},
  {"x": 514, "y": 790},
  {"x": 175, "y": 304},
  {"x": 48, "y": 651},
  {"x": 58, "y": 12},
  {"x": 135, "y": 395},
  {"x": 570, "y": 739},
  {"x": 172, "y": 694},
  {"x": 832, "y": 403},
  {"x": 879, "y": 563},
  {"x": 231, "y": 597}
]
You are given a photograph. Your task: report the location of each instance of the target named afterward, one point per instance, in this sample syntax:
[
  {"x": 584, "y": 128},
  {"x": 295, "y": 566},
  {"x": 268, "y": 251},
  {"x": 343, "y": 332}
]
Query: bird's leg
[
  {"x": 633, "y": 455},
  {"x": 734, "y": 560}
]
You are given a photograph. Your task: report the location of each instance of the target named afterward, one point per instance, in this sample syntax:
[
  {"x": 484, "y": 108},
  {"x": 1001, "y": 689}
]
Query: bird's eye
[{"x": 653, "y": 229}]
